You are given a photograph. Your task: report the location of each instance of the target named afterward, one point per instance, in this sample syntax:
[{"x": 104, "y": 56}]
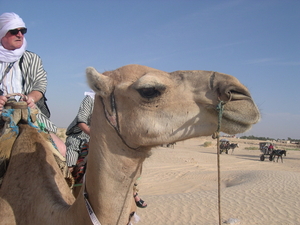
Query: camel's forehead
[{"x": 132, "y": 72}]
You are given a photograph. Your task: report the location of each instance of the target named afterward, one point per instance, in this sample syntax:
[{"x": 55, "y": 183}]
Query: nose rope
[{"x": 220, "y": 109}]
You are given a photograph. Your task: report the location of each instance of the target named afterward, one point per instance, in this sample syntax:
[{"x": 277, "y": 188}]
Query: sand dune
[{"x": 180, "y": 186}]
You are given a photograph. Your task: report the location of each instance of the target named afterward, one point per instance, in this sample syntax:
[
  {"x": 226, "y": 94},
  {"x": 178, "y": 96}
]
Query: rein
[
  {"x": 24, "y": 97},
  {"x": 113, "y": 119},
  {"x": 89, "y": 208}
]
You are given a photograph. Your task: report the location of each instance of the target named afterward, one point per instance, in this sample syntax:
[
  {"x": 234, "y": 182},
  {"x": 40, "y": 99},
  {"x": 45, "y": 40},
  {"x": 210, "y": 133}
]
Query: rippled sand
[{"x": 180, "y": 186}]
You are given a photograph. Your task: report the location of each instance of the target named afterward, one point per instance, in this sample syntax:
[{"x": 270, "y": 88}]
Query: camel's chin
[
  {"x": 235, "y": 121},
  {"x": 234, "y": 112},
  {"x": 234, "y": 127}
]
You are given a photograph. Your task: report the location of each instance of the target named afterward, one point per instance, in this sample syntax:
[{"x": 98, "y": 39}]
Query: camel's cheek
[{"x": 155, "y": 127}]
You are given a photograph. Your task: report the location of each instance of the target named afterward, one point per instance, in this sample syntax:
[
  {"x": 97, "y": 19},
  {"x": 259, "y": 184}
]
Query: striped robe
[
  {"x": 35, "y": 79},
  {"x": 75, "y": 136}
]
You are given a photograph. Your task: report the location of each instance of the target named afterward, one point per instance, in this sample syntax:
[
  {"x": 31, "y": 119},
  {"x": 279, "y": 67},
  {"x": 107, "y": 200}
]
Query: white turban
[
  {"x": 90, "y": 93},
  {"x": 10, "y": 21}
]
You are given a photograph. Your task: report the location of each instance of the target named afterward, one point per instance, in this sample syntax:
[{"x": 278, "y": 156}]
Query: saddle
[{"x": 17, "y": 112}]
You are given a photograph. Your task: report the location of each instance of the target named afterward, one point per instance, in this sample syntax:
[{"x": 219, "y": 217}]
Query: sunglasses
[{"x": 16, "y": 31}]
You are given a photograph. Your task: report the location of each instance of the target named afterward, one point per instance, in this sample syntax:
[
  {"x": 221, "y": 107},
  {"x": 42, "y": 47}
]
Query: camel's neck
[{"x": 112, "y": 170}]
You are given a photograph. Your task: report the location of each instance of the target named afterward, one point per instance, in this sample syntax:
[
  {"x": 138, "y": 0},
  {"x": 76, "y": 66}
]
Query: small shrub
[
  {"x": 292, "y": 149},
  {"x": 207, "y": 144},
  {"x": 252, "y": 148}
]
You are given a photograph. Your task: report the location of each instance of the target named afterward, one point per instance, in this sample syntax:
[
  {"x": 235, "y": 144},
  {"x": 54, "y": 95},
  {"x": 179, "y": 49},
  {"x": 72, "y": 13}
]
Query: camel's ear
[{"x": 99, "y": 83}]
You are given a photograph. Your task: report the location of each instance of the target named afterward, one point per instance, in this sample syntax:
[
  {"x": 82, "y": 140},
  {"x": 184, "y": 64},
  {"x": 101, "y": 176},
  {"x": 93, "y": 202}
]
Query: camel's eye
[{"x": 149, "y": 92}]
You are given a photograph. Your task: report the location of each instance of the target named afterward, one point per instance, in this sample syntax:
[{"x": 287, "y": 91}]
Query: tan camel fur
[{"x": 136, "y": 108}]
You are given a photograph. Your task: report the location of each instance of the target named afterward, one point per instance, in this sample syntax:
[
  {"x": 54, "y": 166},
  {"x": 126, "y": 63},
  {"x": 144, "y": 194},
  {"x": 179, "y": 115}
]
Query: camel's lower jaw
[
  {"x": 229, "y": 126},
  {"x": 234, "y": 112}
]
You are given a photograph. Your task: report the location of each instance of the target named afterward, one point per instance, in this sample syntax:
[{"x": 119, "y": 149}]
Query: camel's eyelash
[{"x": 149, "y": 92}]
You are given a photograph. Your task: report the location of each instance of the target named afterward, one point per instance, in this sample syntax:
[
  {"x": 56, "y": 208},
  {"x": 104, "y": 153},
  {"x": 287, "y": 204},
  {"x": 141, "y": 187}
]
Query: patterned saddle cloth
[
  {"x": 79, "y": 169},
  {"x": 13, "y": 113}
]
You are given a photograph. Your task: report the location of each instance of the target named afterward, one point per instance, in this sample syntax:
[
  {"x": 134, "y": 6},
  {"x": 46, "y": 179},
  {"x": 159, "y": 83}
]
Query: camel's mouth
[
  {"x": 237, "y": 99},
  {"x": 236, "y": 118}
]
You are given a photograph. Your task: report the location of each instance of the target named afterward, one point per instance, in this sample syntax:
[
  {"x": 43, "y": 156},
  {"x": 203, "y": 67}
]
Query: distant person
[
  {"x": 270, "y": 148},
  {"x": 78, "y": 132},
  {"x": 227, "y": 144},
  {"x": 23, "y": 73}
]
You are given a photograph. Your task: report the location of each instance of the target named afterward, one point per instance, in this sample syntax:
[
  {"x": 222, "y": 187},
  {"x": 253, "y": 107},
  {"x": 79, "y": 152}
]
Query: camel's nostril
[
  {"x": 238, "y": 95},
  {"x": 237, "y": 92}
]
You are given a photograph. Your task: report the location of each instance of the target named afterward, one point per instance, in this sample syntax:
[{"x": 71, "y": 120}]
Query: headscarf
[
  {"x": 10, "y": 21},
  {"x": 90, "y": 93}
]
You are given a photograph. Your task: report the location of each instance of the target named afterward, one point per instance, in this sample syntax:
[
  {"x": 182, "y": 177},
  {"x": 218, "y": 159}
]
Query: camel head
[{"x": 149, "y": 107}]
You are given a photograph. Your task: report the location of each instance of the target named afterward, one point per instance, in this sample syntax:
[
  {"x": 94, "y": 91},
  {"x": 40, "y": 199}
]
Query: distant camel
[{"x": 136, "y": 108}]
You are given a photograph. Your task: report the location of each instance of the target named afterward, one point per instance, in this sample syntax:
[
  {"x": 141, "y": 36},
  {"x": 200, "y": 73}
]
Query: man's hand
[
  {"x": 3, "y": 101},
  {"x": 29, "y": 100},
  {"x": 71, "y": 169}
]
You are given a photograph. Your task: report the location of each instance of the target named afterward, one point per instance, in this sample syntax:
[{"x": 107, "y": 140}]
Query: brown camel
[{"x": 136, "y": 108}]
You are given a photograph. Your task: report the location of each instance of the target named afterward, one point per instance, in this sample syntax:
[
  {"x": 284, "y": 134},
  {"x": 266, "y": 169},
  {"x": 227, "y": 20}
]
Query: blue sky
[{"x": 256, "y": 41}]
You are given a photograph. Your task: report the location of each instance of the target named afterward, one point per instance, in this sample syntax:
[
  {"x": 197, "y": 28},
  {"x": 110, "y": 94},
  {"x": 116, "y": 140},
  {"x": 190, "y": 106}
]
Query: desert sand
[{"x": 180, "y": 186}]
